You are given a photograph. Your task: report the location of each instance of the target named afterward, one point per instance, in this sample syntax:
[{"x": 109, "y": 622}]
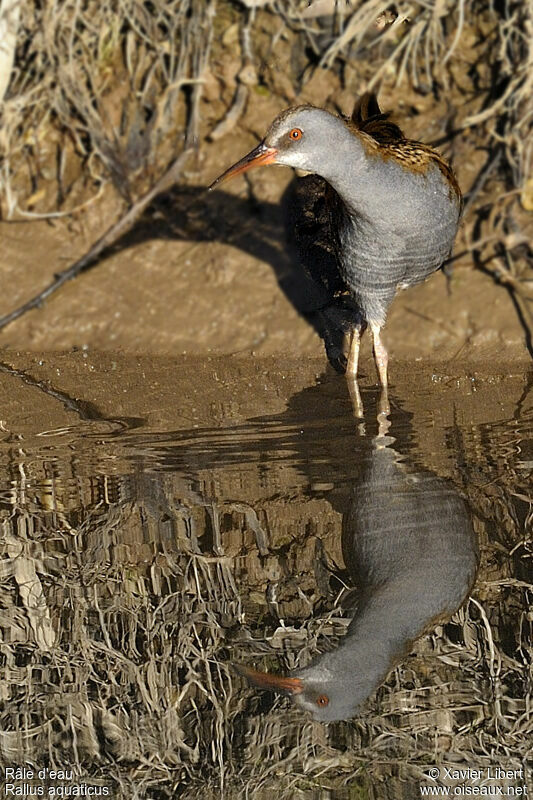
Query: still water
[{"x": 174, "y": 550}]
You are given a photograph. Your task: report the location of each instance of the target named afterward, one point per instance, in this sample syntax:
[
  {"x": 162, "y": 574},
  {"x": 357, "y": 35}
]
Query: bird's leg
[
  {"x": 351, "y": 368},
  {"x": 381, "y": 358},
  {"x": 353, "y": 355}
]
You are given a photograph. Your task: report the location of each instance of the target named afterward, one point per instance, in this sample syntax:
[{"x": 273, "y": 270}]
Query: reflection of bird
[
  {"x": 409, "y": 545},
  {"x": 388, "y": 206}
]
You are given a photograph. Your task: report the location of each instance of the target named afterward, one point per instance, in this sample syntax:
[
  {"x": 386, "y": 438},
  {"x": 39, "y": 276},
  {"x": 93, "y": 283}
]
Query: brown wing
[
  {"x": 368, "y": 117},
  {"x": 365, "y": 108}
]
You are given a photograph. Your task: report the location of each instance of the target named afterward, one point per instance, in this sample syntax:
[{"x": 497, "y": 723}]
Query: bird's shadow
[{"x": 286, "y": 235}]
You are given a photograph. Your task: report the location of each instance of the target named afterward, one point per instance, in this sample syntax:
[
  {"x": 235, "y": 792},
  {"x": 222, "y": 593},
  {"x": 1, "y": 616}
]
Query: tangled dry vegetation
[{"x": 106, "y": 94}]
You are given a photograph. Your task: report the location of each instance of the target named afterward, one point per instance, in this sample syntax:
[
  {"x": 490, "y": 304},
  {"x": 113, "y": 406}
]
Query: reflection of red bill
[
  {"x": 274, "y": 683},
  {"x": 260, "y": 156}
]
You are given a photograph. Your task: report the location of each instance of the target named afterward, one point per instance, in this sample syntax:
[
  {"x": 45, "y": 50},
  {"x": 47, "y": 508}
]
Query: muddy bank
[
  {"x": 51, "y": 390},
  {"x": 243, "y": 293}
]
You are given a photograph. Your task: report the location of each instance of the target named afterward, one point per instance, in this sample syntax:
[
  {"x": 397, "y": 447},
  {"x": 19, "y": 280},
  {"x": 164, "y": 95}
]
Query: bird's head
[
  {"x": 317, "y": 691},
  {"x": 296, "y": 138}
]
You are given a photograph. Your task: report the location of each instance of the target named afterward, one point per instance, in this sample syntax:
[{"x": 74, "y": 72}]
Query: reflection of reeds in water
[{"x": 147, "y": 583}]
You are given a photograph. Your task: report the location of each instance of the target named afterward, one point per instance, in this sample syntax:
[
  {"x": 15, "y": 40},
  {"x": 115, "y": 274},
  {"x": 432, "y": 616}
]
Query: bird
[
  {"x": 409, "y": 545},
  {"x": 390, "y": 212}
]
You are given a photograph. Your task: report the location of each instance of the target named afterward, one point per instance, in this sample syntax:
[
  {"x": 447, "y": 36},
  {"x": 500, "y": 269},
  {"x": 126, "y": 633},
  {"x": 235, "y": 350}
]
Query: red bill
[{"x": 260, "y": 156}]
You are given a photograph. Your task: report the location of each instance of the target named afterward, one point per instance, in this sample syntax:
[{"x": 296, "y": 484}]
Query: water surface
[{"x": 162, "y": 521}]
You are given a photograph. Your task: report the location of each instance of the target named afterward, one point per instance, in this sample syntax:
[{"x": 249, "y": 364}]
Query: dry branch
[{"x": 106, "y": 241}]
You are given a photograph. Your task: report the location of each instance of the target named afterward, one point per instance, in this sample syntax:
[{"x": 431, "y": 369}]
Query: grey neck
[{"x": 348, "y": 168}]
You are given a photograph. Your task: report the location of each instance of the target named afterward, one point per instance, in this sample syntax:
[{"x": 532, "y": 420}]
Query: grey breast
[{"x": 396, "y": 235}]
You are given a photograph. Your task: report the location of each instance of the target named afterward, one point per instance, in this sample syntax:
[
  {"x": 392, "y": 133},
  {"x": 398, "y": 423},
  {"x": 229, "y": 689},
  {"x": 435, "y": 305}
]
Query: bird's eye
[
  {"x": 295, "y": 134},
  {"x": 322, "y": 700}
]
